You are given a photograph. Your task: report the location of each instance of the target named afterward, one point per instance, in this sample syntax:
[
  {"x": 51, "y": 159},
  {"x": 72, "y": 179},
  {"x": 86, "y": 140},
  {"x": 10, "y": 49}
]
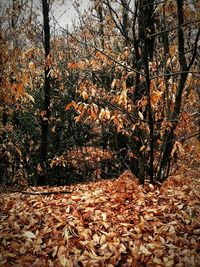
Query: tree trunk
[
  {"x": 146, "y": 24},
  {"x": 101, "y": 20},
  {"x": 125, "y": 10},
  {"x": 168, "y": 144},
  {"x": 45, "y": 114}
]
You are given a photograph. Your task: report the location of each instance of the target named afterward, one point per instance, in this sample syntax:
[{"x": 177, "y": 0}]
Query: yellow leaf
[
  {"x": 85, "y": 95},
  {"x": 122, "y": 248},
  {"x": 142, "y": 148},
  {"x": 102, "y": 114},
  {"x": 39, "y": 241},
  {"x": 113, "y": 83},
  {"x": 77, "y": 118},
  {"x": 22, "y": 250},
  {"x": 107, "y": 113},
  {"x": 63, "y": 261},
  {"x": 61, "y": 251},
  {"x": 102, "y": 240},
  {"x": 140, "y": 115},
  {"x": 53, "y": 129},
  {"x": 50, "y": 263},
  {"x": 189, "y": 78},
  {"x": 30, "y": 97},
  {"x": 133, "y": 128},
  {"x": 95, "y": 239},
  {"x": 157, "y": 260},
  {"x": 104, "y": 217},
  {"x": 126, "y": 52},
  {"x": 104, "y": 246},
  {"x": 168, "y": 62},
  {"x": 177, "y": 148},
  {"x": 31, "y": 65},
  {"x": 29, "y": 234},
  {"x": 180, "y": 206},
  {"x": 169, "y": 263},
  {"x": 162, "y": 240},
  {"x": 145, "y": 251}
]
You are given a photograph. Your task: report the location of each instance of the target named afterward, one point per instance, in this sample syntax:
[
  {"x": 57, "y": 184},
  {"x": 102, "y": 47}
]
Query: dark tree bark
[
  {"x": 99, "y": 10},
  {"x": 45, "y": 115},
  {"x": 125, "y": 10},
  {"x": 4, "y": 118},
  {"x": 121, "y": 23},
  {"x": 150, "y": 115},
  {"x": 15, "y": 13},
  {"x": 147, "y": 47},
  {"x": 144, "y": 10},
  {"x": 146, "y": 24},
  {"x": 168, "y": 144}
]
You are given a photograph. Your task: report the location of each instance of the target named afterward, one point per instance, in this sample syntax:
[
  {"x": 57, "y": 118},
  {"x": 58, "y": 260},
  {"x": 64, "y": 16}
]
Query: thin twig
[{"x": 174, "y": 28}]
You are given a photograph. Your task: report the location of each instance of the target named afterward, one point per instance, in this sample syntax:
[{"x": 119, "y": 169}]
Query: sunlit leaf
[
  {"x": 32, "y": 66},
  {"x": 85, "y": 95},
  {"x": 29, "y": 234},
  {"x": 140, "y": 115},
  {"x": 30, "y": 97}
]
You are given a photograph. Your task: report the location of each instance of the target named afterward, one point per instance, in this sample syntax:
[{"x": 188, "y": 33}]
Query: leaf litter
[{"x": 105, "y": 223}]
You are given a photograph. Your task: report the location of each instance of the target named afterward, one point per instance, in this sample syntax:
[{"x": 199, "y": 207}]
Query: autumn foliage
[{"x": 99, "y": 135}]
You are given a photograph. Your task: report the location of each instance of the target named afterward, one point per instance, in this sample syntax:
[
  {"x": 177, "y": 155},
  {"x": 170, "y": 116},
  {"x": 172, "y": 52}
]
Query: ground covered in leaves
[{"x": 106, "y": 223}]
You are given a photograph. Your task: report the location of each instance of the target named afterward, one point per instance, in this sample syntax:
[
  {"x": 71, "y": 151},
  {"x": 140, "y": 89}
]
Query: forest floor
[{"x": 105, "y": 223}]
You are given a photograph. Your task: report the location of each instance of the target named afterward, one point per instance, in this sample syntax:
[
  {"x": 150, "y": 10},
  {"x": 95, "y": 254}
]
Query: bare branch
[
  {"x": 174, "y": 28},
  {"x": 195, "y": 50}
]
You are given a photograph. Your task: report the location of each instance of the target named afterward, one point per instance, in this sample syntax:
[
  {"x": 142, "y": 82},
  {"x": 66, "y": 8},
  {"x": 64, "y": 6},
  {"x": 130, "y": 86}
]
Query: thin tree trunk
[
  {"x": 146, "y": 57},
  {"x": 45, "y": 115},
  {"x": 125, "y": 10},
  {"x": 101, "y": 20},
  {"x": 146, "y": 24},
  {"x": 184, "y": 67}
]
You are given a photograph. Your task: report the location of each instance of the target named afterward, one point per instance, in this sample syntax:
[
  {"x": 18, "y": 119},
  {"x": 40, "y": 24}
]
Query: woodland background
[
  {"x": 118, "y": 90},
  {"x": 99, "y": 134}
]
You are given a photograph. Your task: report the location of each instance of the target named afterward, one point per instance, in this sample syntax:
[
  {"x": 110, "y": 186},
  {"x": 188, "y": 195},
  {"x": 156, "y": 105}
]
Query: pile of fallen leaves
[{"x": 107, "y": 223}]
